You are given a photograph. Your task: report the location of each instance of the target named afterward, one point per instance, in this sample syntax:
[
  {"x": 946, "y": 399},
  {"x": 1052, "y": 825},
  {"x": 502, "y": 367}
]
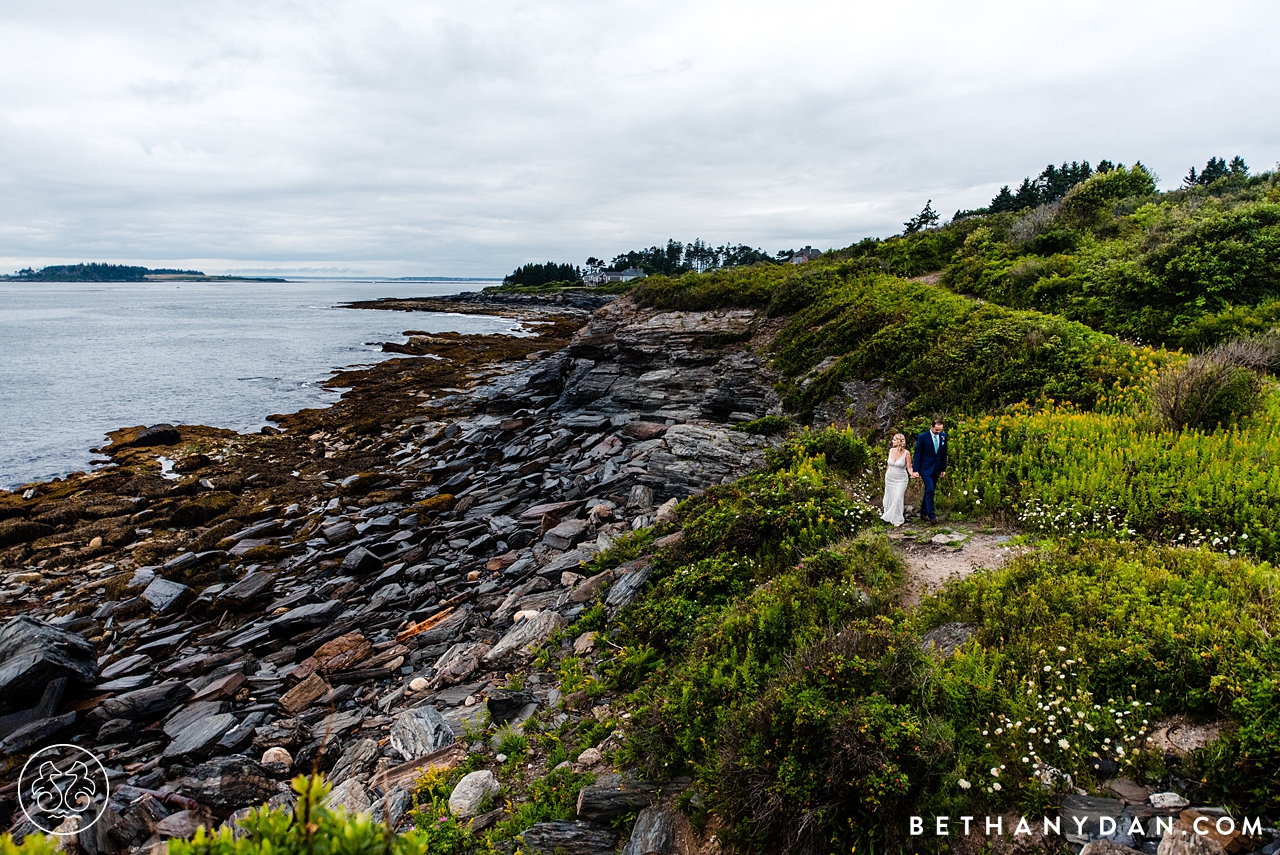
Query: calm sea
[{"x": 78, "y": 360}]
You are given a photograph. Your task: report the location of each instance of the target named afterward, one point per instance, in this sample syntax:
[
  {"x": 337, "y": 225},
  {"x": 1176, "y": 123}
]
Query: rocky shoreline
[{"x": 349, "y": 593}]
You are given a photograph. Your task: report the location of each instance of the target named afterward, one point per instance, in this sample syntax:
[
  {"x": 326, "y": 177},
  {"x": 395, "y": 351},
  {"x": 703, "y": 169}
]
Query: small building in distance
[
  {"x": 806, "y": 254},
  {"x": 599, "y": 276}
]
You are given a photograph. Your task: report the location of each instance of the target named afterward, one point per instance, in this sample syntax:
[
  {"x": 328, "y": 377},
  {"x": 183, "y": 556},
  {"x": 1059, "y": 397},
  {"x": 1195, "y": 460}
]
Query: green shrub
[
  {"x": 1179, "y": 269},
  {"x": 769, "y": 515},
  {"x": 32, "y": 844},
  {"x": 1142, "y": 632},
  {"x": 1088, "y": 200},
  {"x": 626, "y": 548},
  {"x": 842, "y": 450},
  {"x": 552, "y": 797},
  {"x": 765, "y": 426},
  {"x": 836, "y": 751},
  {"x": 307, "y": 829},
  {"x": 1205, "y": 393},
  {"x": 738, "y": 649}
]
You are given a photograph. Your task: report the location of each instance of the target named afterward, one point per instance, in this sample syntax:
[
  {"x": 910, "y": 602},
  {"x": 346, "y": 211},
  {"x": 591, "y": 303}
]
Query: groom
[{"x": 930, "y": 464}]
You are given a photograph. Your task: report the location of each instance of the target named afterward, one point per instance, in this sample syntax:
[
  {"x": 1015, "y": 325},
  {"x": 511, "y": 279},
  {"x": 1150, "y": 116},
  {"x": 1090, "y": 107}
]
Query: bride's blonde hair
[{"x": 901, "y": 437}]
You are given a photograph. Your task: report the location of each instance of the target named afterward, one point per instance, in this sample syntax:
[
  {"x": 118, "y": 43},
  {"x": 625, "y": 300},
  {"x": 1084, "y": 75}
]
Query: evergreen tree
[
  {"x": 926, "y": 219},
  {"x": 533, "y": 275},
  {"x": 1003, "y": 201},
  {"x": 1028, "y": 195},
  {"x": 1213, "y": 170},
  {"x": 1238, "y": 166}
]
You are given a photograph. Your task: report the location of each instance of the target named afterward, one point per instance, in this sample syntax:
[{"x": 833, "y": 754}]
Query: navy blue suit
[{"x": 929, "y": 464}]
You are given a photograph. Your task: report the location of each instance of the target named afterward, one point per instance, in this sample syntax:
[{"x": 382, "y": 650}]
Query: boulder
[
  {"x": 419, "y": 731},
  {"x": 566, "y": 534},
  {"x": 630, "y": 580},
  {"x": 467, "y": 796},
  {"x": 32, "y": 653},
  {"x": 356, "y": 761},
  {"x": 666, "y": 513},
  {"x": 161, "y": 434},
  {"x": 296, "y": 621},
  {"x": 1107, "y": 847},
  {"x": 505, "y": 704},
  {"x": 458, "y": 663},
  {"x": 607, "y": 800},
  {"x": 304, "y": 694},
  {"x": 254, "y": 584},
  {"x": 524, "y": 636},
  {"x": 659, "y": 830},
  {"x": 183, "y": 824},
  {"x": 945, "y": 640},
  {"x": 145, "y": 703},
  {"x": 361, "y": 561},
  {"x": 277, "y": 756},
  {"x": 32, "y": 734},
  {"x": 351, "y": 796},
  {"x": 199, "y": 738},
  {"x": 228, "y": 783},
  {"x": 567, "y": 837},
  {"x": 341, "y": 653}
]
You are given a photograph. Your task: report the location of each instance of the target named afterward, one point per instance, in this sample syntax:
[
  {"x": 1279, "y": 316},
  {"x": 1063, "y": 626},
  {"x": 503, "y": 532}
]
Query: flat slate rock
[
  {"x": 32, "y": 653},
  {"x": 162, "y": 594},
  {"x": 945, "y": 640},
  {"x": 520, "y": 639},
  {"x": 361, "y": 561},
  {"x": 200, "y": 737},
  {"x": 306, "y": 617},
  {"x": 146, "y": 703}
]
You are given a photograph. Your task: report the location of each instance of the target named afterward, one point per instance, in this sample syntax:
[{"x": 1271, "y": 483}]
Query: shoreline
[
  {"x": 350, "y": 593},
  {"x": 426, "y": 362}
]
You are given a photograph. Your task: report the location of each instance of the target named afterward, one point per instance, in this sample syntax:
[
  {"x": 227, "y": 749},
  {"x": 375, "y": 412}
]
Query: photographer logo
[{"x": 63, "y": 789}]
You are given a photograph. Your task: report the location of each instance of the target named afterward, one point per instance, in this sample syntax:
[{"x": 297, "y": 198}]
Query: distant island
[{"x": 120, "y": 273}]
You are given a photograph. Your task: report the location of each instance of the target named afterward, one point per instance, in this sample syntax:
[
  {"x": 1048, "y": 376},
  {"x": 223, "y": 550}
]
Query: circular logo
[{"x": 63, "y": 789}]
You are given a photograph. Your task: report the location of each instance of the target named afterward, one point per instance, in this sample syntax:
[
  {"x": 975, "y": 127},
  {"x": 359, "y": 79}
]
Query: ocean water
[{"x": 80, "y": 359}]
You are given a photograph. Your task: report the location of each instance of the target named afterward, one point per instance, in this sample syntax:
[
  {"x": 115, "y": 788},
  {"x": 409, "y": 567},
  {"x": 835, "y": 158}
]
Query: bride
[{"x": 896, "y": 478}]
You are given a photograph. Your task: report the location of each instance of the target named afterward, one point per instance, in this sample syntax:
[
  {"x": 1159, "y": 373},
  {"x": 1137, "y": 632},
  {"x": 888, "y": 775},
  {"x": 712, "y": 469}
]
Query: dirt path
[{"x": 935, "y": 554}]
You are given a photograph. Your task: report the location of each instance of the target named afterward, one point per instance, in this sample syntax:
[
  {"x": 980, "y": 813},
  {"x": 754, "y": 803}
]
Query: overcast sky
[{"x": 408, "y": 138}]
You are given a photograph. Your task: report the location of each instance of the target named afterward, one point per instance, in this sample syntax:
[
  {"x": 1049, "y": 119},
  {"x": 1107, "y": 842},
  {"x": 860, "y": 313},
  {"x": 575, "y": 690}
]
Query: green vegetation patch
[
  {"x": 948, "y": 353},
  {"x": 1077, "y": 655},
  {"x": 1064, "y": 473}
]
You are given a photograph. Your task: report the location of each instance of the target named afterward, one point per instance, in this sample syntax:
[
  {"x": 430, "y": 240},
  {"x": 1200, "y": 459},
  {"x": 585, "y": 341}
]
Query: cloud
[{"x": 451, "y": 139}]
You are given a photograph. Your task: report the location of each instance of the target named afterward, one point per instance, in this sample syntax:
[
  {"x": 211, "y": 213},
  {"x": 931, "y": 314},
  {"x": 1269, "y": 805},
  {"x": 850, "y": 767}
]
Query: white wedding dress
[{"x": 895, "y": 488}]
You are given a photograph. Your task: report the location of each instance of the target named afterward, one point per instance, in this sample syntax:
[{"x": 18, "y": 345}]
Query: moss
[
  {"x": 18, "y": 531},
  {"x": 200, "y": 510},
  {"x": 264, "y": 554},
  {"x": 435, "y": 504},
  {"x": 364, "y": 482}
]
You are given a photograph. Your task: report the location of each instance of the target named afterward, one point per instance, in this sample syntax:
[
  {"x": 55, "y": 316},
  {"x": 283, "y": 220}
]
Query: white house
[{"x": 600, "y": 276}]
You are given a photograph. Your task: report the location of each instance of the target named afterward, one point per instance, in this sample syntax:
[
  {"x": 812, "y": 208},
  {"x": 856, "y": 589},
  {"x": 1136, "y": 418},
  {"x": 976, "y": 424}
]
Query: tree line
[
  {"x": 671, "y": 259},
  {"x": 95, "y": 273}
]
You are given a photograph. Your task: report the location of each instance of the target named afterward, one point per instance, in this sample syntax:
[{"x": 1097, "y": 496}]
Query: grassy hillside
[{"x": 1055, "y": 339}]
